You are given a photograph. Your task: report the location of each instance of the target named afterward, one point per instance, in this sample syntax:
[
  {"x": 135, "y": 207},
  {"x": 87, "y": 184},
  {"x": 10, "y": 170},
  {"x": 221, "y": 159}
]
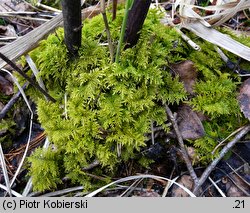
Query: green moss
[{"x": 114, "y": 104}]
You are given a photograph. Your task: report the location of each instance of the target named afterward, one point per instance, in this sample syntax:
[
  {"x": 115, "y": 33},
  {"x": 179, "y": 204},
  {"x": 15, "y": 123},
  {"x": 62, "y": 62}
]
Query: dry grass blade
[
  {"x": 215, "y": 185},
  {"x": 168, "y": 186},
  {"x": 34, "y": 69},
  {"x": 218, "y": 38},
  {"x": 28, "y": 186},
  {"x": 201, "y": 26},
  {"x": 62, "y": 192},
  {"x": 30, "y": 128},
  {"x": 5, "y": 172},
  {"x": 92, "y": 194},
  {"x": 232, "y": 134},
  {"x": 130, "y": 189},
  {"x": 12, "y": 191}
]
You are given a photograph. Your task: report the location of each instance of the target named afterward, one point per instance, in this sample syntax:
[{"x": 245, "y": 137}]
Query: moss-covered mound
[{"x": 104, "y": 110}]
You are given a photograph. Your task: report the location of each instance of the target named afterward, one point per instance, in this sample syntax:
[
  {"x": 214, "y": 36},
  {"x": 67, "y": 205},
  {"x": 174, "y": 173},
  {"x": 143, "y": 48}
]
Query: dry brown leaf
[
  {"x": 3, "y": 29},
  {"x": 185, "y": 181},
  {"x": 234, "y": 190},
  {"x": 244, "y": 98},
  {"x": 187, "y": 73},
  {"x": 8, "y": 31},
  {"x": 189, "y": 123},
  {"x": 192, "y": 154},
  {"x": 6, "y": 87}
]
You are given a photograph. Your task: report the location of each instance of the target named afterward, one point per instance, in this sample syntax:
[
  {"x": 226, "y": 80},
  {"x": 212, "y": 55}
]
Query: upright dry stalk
[{"x": 105, "y": 19}]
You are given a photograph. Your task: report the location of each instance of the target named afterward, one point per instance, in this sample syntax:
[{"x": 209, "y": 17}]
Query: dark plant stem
[
  {"x": 72, "y": 25},
  {"x": 136, "y": 18},
  {"x": 114, "y": 8}
]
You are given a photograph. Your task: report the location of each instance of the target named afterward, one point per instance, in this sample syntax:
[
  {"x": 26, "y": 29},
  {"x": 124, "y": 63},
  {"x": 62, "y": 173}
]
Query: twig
[
  {"x": 24, "y": 17},
  {"x": 226, "y": 148},
  {"x": 92, "y": 165},
  {"x": 182, "y": 146},
  {"x": 31, "y": 81},
  {"x": 105, "y": 19}
]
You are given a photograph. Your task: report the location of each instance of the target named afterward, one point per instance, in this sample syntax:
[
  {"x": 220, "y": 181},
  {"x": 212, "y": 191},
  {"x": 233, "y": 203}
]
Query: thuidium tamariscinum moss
[{"x": 101, "y": 105}]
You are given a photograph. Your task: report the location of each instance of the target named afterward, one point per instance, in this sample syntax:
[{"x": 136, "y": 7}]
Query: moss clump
[{"x": 101, "y": 106}]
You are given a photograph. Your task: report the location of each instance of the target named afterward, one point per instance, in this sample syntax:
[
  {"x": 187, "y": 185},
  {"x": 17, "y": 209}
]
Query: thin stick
[
  {"x": 94, "y": 164},
  {"x": 105, "y": 19},
  {"x": 226, "y": 148},
  {"x": 31, "y": 81},
  {"x": 182, "y": 146}
]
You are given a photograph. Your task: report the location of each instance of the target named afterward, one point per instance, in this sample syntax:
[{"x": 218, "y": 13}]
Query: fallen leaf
[
  {"x": 6, "y": 87},
  {"x": 244, "y": 98},
  {"x": 9, "y": 31},
  {"x": 189, "y": 123},
  {"x": 3, "y": 29},
  {"x": 185, "y": 181},
  {"x": 192, "y": 154},
  {"x": 234, "y": 189},
  {"x": 187, "y": 73}
]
